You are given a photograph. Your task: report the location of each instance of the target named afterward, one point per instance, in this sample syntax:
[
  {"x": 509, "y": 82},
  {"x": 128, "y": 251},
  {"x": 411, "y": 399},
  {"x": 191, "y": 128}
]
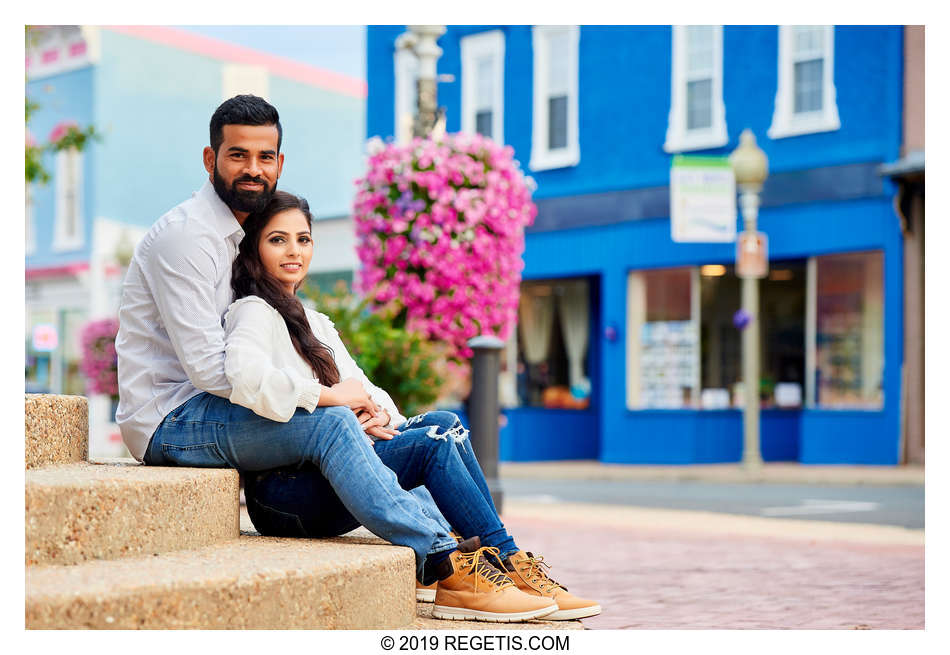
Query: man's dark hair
[{"x": 243, "y": 110}]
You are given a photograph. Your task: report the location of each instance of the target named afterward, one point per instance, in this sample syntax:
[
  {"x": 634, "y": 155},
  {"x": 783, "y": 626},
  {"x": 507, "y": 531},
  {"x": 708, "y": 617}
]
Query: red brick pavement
[{"x": 675, "y": 580}]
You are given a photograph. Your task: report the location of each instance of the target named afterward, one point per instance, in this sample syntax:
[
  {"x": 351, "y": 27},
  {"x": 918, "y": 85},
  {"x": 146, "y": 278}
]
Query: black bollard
[{"x": 483, "y": 409}]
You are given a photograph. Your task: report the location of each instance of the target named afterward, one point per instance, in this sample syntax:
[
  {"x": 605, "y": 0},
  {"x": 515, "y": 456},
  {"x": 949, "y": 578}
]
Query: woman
[{"x": 281, "y": 358}]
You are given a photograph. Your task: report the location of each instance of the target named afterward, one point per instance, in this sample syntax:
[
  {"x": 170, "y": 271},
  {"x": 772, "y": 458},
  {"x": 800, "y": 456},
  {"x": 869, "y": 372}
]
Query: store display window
[
  {"x": 849, "y": 357},
  {"x": 553, "y": 343}
]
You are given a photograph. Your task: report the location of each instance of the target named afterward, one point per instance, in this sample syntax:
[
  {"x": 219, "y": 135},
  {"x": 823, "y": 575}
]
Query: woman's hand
[
  {"x": 350, "y": 392},
  {"x": 376, "y": 425}
]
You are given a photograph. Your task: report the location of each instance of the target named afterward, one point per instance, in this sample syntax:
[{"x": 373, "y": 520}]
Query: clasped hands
[{"x": 373, "y": 418}]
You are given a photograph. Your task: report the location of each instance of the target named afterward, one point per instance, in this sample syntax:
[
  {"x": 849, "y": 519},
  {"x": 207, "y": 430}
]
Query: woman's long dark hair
[{"x": 248, "y": 278}]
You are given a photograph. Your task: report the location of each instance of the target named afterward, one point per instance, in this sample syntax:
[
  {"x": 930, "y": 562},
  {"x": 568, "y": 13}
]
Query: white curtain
[
  {"x": 535, "y": 320},
  {"x": 574, "y": 313}
]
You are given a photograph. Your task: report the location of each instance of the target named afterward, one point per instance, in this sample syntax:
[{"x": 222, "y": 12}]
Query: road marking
[
  {"x": 537, "y": 498},
  {"x": 815, "y": 506}
]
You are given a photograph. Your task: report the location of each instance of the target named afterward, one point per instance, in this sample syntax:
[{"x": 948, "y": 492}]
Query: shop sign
[
  {"x": 752, "y": 255},
  {"x": 702, "y": 200},
  {"x": 45, "y": 338}
]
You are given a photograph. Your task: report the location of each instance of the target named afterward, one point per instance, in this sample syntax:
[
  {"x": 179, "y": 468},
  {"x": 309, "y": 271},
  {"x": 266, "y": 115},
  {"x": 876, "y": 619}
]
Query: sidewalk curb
[
  {"x": 700, "y": 524},
  {"x": 769, "y": 473}
]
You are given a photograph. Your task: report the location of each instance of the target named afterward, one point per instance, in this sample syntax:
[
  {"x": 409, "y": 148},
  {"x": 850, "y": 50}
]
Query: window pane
[
  {"x": 808, "y": 40},
  {"x": 698, "y": 104},
  {"x": 699, "y": 50},
  {"x": 557, "y": 122},
  {"x": 483, "y": 123},
  {"x": 559, "y": 64},
  {"x": 553, "y": 338},
  {"x": 808, "y": 85},
  {"x": 484, "y": 89},
  {"x": 850, "y": 330},
  {"x": 665, "y": 336}
]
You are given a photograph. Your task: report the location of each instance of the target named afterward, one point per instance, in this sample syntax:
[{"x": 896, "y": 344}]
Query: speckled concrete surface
[
  {"x": 89, "y": 511},
  {"x": 57, "y": 429},
  {"x": 248, "y": 583}
]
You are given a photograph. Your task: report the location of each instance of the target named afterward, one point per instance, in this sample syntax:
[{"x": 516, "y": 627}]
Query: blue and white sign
[{"x": 702, "y": 200}]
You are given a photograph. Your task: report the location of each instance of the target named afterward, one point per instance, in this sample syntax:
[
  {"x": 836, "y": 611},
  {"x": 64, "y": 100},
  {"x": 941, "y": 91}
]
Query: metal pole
[
  {"x": 751, "y": 454},
  {"x": 428, "y": 52},
  {"x": 484, "y": 409}
]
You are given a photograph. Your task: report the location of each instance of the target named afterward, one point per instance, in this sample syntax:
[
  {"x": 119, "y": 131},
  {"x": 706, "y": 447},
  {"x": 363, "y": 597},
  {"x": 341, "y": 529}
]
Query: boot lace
[
  {"x": 476, "y": 561},
  {"x": 532, "y": 570}
]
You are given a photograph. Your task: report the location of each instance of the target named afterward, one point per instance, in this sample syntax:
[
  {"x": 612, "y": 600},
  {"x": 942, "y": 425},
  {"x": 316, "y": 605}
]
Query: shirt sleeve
[
  {"x": 256, "y": 382},
  {"x": 349, "y": 369},
  {"x": 181, "y": 273}
]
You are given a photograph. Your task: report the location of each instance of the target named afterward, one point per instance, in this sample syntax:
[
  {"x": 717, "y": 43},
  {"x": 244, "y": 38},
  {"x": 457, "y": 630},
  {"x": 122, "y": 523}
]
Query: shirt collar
[{"x": 220, "y": 217}]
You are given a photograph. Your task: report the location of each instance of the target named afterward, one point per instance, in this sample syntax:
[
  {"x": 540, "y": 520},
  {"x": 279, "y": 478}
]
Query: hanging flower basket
[
  {"x": 440, "y": 234},
  {"x": 99, "y": 361}
]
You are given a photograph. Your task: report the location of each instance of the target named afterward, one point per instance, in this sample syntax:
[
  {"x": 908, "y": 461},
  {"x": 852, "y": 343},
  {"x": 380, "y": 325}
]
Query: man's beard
[{"x": 241, "y": 200}]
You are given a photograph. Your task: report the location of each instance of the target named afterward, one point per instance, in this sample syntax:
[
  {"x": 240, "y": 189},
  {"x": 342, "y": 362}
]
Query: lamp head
[{"x": 749, "y": 163}]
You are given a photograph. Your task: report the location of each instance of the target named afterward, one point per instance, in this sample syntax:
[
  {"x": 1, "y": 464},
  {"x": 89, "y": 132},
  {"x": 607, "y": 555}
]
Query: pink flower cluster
[
  {"x": 99, "y": 361},
  {"x": 61, "y": 129},
  {"x": 440, "y": 232}
]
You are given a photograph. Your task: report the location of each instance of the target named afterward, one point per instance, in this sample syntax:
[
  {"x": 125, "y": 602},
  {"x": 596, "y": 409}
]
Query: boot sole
[
  {"x": 462, "y": 614},
  {"x": 425, "y": 595},
  {"x": 576, "y": 613}
]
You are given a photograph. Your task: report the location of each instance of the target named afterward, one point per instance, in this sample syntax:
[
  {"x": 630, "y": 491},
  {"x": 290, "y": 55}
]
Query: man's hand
[{"x": 375, "y": 425}]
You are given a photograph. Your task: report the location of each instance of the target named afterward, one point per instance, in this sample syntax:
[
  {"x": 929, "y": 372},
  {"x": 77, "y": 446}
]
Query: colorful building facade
[{"x": 626, "y": 351}]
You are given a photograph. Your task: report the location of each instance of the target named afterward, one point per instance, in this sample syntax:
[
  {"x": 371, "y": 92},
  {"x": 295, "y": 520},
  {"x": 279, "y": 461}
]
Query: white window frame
[
  {"x": 678, "y": 137},
  {"x": 542, "y": 157},
  {"x": 30, "y": 220},
  {"x": 69, "y": 202},
  {"x": 785, "y": 122},
  {"x": 405, "y": 74},
  {"x": 474, "y": 47}
]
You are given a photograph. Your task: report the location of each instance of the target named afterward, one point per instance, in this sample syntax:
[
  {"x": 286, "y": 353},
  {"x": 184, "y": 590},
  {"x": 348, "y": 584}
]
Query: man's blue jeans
[
  {"x": 209, "y": 431},
  {"x": 431, "y": 449}
]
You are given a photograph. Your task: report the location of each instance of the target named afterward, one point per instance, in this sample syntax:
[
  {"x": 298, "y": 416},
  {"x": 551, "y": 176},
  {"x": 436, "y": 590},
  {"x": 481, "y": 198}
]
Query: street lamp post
[
  {"x": 751, "y": 167},
  {"x": 423, "y": 45}
]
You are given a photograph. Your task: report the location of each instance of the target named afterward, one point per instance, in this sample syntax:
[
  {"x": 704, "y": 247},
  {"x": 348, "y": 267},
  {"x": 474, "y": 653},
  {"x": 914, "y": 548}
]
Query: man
[{"x": 174, "y": 408}]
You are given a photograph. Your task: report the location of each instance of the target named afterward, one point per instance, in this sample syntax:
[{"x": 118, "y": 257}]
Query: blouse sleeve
[
  {"x": 256, "y": 382},
  {"x": 349, "y": 369}
]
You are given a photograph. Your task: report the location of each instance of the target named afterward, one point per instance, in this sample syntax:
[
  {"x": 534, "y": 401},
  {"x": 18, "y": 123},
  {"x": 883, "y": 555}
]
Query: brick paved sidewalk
[{"x": 713, "y": 572}]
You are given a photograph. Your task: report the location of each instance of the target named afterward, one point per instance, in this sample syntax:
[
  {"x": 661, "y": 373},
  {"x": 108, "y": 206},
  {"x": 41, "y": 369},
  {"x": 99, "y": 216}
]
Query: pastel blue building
[
  {"x": 626, "y": 350},
  {"x": 150, "y": 92}
]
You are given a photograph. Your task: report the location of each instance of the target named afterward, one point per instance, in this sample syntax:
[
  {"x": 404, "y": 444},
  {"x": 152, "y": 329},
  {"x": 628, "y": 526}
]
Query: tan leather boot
[
  {"x": 528, "y": 574},
  {"x": 477, "y": 591},
  {"x": 425, "y": 594}
]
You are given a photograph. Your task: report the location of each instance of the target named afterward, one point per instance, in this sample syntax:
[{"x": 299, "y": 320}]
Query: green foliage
[{"x": 403, "y": 363}]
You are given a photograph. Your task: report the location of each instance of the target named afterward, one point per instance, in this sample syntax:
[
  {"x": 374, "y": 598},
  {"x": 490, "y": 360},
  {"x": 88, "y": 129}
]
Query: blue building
[
  {"x": 625, "y": 350},
  {"x": 150, "y": 92}
]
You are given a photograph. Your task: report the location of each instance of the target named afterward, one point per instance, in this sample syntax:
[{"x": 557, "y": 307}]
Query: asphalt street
[{"x": 882, "y": 505}]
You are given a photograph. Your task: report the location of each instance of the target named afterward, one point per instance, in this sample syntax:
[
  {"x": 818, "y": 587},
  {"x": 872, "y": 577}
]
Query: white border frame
[
  {"x": 542, "y": 158},
  {"x": 785, "y": 122},
  {"x": 678, "y": 138},
  {"x": 30, "y": 219},
  {"x": 474, "y": 46}
]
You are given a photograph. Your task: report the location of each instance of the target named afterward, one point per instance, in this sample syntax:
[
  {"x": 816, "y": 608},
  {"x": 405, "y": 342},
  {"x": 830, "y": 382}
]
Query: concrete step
[
  {"x": 251, "y": 582},
  {"x": 57, "y": 429},
  {"x": 120, "y": 508}
]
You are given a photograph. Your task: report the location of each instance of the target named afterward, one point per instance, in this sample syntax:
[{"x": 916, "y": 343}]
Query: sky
[{"x": 341, "y": 49}]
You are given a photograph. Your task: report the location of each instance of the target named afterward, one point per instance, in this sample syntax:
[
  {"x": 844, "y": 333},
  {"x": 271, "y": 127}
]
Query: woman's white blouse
[{"x": 268, "y": 376}]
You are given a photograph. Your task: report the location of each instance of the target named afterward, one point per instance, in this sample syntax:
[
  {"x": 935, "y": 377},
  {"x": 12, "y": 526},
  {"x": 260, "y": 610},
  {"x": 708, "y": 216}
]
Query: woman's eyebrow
[{"x": 276, "y": 232}]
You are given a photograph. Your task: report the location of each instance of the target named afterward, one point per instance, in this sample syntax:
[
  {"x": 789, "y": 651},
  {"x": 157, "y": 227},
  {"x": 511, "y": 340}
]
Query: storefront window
[
  {"x": 662, "y": 340},
  {"x": 553, "y": 344},
  {"x": 782, "y": 336},
  {"x": 849, "y": 358}
]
